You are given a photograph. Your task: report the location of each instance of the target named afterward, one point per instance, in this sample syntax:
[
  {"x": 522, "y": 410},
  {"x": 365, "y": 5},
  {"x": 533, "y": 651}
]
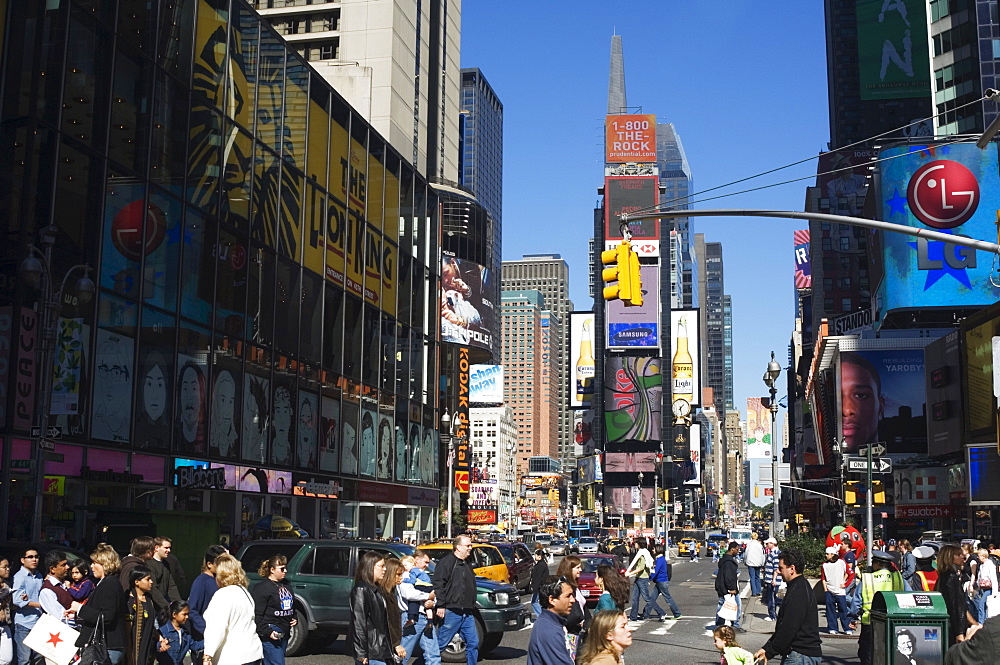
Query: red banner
[{"x": 482, "y": 517}]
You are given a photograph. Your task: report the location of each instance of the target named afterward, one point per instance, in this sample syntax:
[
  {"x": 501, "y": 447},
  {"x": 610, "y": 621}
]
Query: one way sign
[{"x": 879, "y": 464}]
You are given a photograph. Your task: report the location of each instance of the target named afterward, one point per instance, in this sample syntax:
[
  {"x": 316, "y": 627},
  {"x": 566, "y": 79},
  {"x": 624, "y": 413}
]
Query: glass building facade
[{"x": 263, "y": 338}]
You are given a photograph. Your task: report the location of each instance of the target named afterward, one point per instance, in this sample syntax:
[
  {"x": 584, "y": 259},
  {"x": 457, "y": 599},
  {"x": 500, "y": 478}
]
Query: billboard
[
  {"x": 842, "y": 179},
  {"x": 486, "y": 384},
  {"x": 588, "y": 470},
  {"x": 758, "y": 429},
  {"x": 549, "y": 481},
  {"x": 803, "y": 269},
  {"x": 695, "y": 459},
  {"x": 467, "y": 303},
  {"x": 629, "y": 138},
  {"x": 979, "y": 402},
  {"x": 984, "y": 469},
  {"x": 583, "y": 432},
  {"x": 952, "y": 190},
  {"x": 893, "y": 49},
  {"x": 581, "y": 351},
  {"x": 630, "y": 462},
  {"x": 921, "y": 486},
  {"x": 624, "y": 194},
  {"x": 881, "y": 397},
  {"x": 628, "y": 500},
  {"x": 632, "y": 327},
  {"x": 484, "y": 495},
  {"x": 685, "y": 336},
  {"x": 633, "y": 390}
]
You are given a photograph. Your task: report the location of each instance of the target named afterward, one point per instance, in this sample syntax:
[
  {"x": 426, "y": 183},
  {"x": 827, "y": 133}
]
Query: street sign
[
  {"x": 878, "y": 448},
  {"x": 45, "y": 444},
  {"x": 860, "y": 464},
  {"x": 21, "y": 464},
  {"x": 53, "y": 457},
  {"x": 51, "y": 432}
]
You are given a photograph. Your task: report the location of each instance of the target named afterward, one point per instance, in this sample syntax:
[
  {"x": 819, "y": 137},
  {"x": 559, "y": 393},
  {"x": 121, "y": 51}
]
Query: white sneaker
[{"x": 768, "y": 619}]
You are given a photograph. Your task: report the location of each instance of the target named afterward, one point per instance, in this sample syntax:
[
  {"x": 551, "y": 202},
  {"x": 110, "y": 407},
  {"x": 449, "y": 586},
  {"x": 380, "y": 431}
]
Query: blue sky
[{"x": 744, "y": 83}]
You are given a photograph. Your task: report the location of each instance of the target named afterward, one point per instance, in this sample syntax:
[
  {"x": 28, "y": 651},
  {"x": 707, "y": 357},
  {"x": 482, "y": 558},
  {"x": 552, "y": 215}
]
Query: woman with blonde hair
[
  {"x": 230, "y": 628},
  {"x": 106, "y": 603},
  {"x": 395, "y": 606},
  {"x": 607, "y": 639}
]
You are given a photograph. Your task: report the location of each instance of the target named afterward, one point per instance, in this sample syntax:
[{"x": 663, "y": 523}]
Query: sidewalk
[{"x": 754, "y": 612}]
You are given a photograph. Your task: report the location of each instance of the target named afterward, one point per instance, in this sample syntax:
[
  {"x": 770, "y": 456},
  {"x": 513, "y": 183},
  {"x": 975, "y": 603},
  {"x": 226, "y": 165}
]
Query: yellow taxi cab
[
  {"x": 487, "y": 561},
  {"x": 685, "y": 545}
]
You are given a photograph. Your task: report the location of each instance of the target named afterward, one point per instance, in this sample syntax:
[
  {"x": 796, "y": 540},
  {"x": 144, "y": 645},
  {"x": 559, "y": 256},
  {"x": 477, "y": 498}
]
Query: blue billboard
[
  {"x": 950, "y": 189},
  {"x": 637, "y": 326}
]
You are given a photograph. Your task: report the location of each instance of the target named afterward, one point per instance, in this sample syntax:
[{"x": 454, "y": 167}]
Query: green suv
[{"x": 321, "y": 574}]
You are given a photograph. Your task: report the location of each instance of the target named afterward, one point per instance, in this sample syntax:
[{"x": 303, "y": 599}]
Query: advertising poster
[
  {"x": 369, "y": 451},
  {"x": 916, "y": 644},
  {"x": 842, "y": 179},
  {"x": 256, "y": 407},
  {"x": 467, "y": 303},
  {"x": 586, "y": 469},
  {"x": 637, "y": 327},
  {"x": 633, "y": 399},
  {"x": 627, "y": 500},
  {"x": 626, "y": 194},
  {"x": 67, "y": 368},
  {"x": 112, "y": 416},
  {"x": 695, "y": 459},
  {"x": 758, "y": 429},
  {"x": 893, "y": 49},
  {"x": 921, "y": 486},
  {"x": 192, "y": 398},
  {"x": 583, "y": 432},
  {"x": 282, "y": 421},
  {"x": 952, "y": 190},
  {"x": 803, "y": 269},
  {"x": 486, "y": 384},
  {"x": 630, "y": 138},
  {"x": 979, "y": 402},
  {"x": 223, "y": 433},
  {"x": 329, "y": 452},
  {"x": 386, "y": 448},
  {"x": 984, "y": 469},
  {"x": 882, "y": 398},
  {"x": 582, "y": 364},
  {"x": 484, "y": 495},
  {"x": 308, "y": 420},
  {"x": 685, "y": 364},
  {"x": 625, "y": 462}
]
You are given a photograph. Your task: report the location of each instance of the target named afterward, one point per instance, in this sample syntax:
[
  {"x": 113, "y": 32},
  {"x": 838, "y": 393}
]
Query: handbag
[
  {"x": 95, "y": 651},
  {"x": 53, "y": 639},
  {"x": 729, "y": 610},
  {"x": 992, "y": 606}
]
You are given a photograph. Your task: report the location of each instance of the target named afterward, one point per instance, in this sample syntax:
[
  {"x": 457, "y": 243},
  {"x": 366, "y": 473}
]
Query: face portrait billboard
[
  {"x": 467, "y": 303},
  {"x": 224, "y": 429},
  {"x": 256, "y": 392},
  {"x": 329, "y": 452},
  {"x": 368, "y": 458},
  {"x": 758, "y": 429},
  {"x": 112, "y": 416},
  {"x": 633, "y": 390},
  {"x": 152, "y": 427},
  {"x": 882, "y": 398},
  {"x": 308, "y": 418},
  {"x": 350, "y": 437},
  {"x": 627, "y": 500},
  {"x": 282, "y": 423},
  {"x": 916, "y": 645},
  {"x": 383, "y": 469},
  {"x": 192, "y": 390},
  {"x": 625, "y": 462}
]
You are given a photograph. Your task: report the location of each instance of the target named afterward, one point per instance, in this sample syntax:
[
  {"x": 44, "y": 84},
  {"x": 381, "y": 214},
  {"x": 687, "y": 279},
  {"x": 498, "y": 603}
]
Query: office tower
[
  {"x": 716, "y": 357},
  {"x": 494, "y": 448},
  {"x": 235, "y": 358},
  {"x": 529, "y": 361},
  {"x": 616, "y": 78},
  {"x": 549, "y": 274},
  {"x": 395, "y": 61},
  {"x": 481, "y": 156},
  {"x": 734, "y": 480},
  {"x": 676, "y": 185}
]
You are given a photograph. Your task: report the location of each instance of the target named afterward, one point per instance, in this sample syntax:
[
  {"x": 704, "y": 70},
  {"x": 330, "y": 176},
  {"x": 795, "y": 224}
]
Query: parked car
[
  {"x": 321, "y": 574},
  {"x": 588, "y": 576},
  {"x": 685, "y": 546},
  {"x": 519, "y": 563},
  {"x": 587, "y": 545},
  {"x": 558, "y": 548},
  {"x": 716, "y": 542},
  {"x": 487, "y": 561}
]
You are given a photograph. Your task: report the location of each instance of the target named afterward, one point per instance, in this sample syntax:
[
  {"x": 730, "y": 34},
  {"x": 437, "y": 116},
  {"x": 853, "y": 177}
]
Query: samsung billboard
[
  {"x": 949, "y": 189},
  {"x": 637, "y": 326}
]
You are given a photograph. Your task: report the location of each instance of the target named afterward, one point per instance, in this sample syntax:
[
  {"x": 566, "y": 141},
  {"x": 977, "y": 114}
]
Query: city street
[{"x": 686, "y": 639}]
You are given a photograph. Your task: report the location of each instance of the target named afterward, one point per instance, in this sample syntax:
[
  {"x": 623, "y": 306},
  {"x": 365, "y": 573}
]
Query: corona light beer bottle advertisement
[
  {"x": 685, "y": 370},
  {"x": 581, "y": 356}
]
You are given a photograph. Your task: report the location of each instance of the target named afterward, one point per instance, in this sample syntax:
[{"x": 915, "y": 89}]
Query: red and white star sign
[
  {"x": 943, "y": 194},
  {"x": 54, "y": 639}
]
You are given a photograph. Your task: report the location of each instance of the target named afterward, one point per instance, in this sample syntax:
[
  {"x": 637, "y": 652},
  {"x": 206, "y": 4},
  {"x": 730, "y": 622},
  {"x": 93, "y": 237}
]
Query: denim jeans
[
  {"x": 771, "y": 598},
  {"x": 464, "y": 624},
  {"x": 754, "y": 580},
  {"x": 116, "y": 655},
  {"x": 661, "y": 589},
  {"x": 854, "y": 602},
  {"x": 836, "y": 608},
  {"x": 428, "y": 643},
  {"x": 640, "y": 587},
  {"x": 24, "y": 653},
  {"x": 739, "y": 611},
  {"x": 536, "y": 605},
  {"x": 274, "y": 651},
  {"x": 796, "y": 658},
  {"x": 371, "y": 661}
]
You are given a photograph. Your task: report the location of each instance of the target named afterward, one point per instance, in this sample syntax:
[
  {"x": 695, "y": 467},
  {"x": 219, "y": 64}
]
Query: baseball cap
[
  {"x": 771, "y": 540},
  {"x": 833, "y": 549}
]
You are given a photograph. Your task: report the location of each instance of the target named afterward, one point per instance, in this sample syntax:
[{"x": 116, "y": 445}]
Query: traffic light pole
[{"x": 868, "y": 508}]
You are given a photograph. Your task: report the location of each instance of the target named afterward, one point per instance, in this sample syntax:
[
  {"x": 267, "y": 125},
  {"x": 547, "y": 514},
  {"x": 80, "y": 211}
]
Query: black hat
[{"x": 887, "y": 557}]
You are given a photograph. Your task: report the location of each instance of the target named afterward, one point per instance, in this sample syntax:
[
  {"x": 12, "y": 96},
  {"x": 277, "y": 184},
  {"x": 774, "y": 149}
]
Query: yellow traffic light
[
  {"x": 878, "y": 491},
  {"x": 617, "y": 272},
  {"x": 634, "y": 279},
  {"x": 851, "y": 493}
]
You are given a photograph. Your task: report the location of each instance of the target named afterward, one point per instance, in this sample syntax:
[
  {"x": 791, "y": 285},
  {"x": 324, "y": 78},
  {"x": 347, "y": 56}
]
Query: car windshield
[
  {"x": 590, "y": 564},
  {"x": 558, "y": 542},
  {"x": 437, "y": 553},
  {"x": 507, "y": 552},
  {"x": 255, "y": 553},
  {"x": 588, "y": 541}
]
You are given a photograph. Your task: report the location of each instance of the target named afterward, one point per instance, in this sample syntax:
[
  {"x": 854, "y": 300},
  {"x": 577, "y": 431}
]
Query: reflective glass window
[
  {"x": 293, "y": 145},
  {"x": 125, "y": 218},
  {"x": 167, "y": 161},
  {"x": 191, "y": 390},
  {"x": 333, "y": 328},
  {"x": 260, "y": 296},
  {"x": 164, "y": 237},
  {"x": 266, "y": 176},
  {"x": 371, "y": 331},
  {"x": 311, "y": 335},
  {"x": 244, "y": 52},
  {"x": 270, "y": 90},
  {"x": 198, "y": 266},
  {"x": 236, "y": 181},
  {"x": 130, "y": 107},
  {"x": 231, "y": 256},
  {"x": 224, "y": 421},
  {"x": 287, "y": 297},
  {"x": 85, "y": 90},
  {"x": 176, "y": 29},
  {"x": 352, "y": 337}
]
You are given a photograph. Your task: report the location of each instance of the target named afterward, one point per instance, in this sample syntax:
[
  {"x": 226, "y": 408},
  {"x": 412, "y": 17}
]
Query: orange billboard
[{"x": 629, "y": 138}]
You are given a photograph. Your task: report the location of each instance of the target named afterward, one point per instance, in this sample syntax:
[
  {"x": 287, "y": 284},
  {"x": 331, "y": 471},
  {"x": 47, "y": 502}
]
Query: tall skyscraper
[
  {"x": 395, "y": 61},
  {"x": 549, "y": 274},
  {"x": 676, "y": 184},
  {"x": 715, "y": 357},
  {"x": 481, "y": 155},
  {"x": 528, "y": 372},
  {"x": 616, "y": 78}
]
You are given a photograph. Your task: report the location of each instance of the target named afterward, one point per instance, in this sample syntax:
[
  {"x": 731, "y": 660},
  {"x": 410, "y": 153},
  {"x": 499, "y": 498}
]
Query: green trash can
[{"x": 909, "y": 625}]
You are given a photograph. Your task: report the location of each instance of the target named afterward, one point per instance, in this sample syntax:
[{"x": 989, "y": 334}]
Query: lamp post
[
  {"x": 770, "y": 379},
  {"x": 36, "y": 270},
  {"x": 446, "y": 426},
  {"x": 640, "y": 500}
]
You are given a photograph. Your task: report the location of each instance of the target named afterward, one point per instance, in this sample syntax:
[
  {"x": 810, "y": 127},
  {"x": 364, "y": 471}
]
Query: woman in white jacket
[{"x": 230, "y": 628}]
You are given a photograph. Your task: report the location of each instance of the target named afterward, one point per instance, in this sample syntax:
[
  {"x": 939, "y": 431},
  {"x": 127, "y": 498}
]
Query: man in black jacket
[
  {"x": 727, "y": 583},
  {"x": 538, "y": 574},
  {"x": 455, "y": 590},
  {"x": 796, "y": 634}
]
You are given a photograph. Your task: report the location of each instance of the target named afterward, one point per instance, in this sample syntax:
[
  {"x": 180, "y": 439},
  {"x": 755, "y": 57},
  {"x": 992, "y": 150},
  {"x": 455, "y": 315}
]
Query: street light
[
  {"x": 446, "y": 427},
  {"x": 770, "y": 379},
  {"x": 36, "y": 271}
]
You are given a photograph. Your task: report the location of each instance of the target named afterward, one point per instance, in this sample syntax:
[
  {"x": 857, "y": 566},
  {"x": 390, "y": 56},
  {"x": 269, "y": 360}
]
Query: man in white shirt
[
  {"x": 834, "y": 583},
  {"x": 754, "y": 558},
  {"x": 54, "y": 597}
]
